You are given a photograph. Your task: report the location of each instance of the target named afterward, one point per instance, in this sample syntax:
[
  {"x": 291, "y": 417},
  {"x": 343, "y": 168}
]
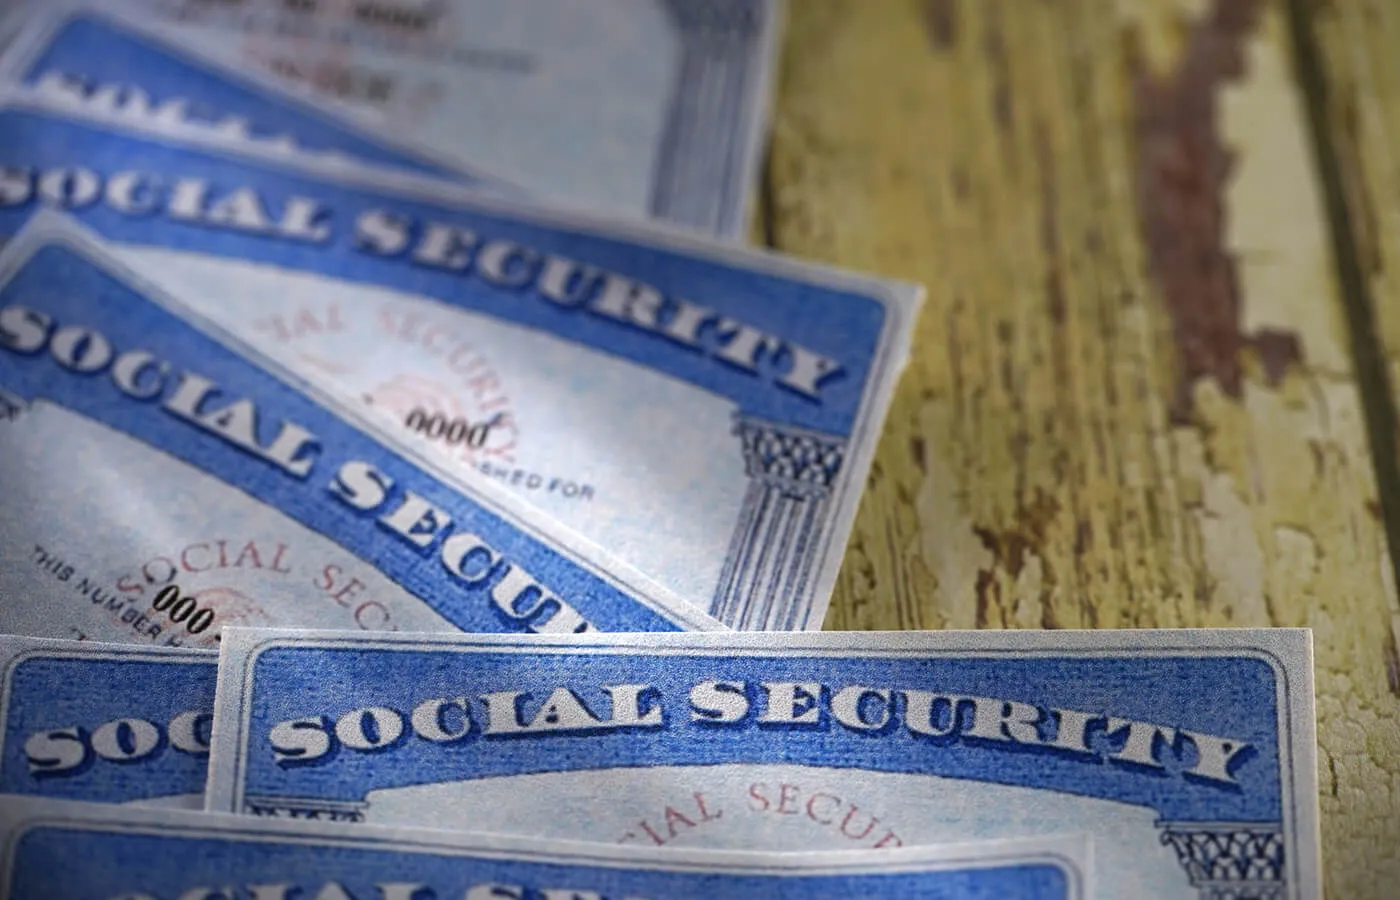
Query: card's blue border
[{"x": 1077, "y": 880}]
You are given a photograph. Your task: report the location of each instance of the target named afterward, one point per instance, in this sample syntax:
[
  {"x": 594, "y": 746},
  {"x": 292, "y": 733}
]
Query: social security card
[
  {"x": 706, "y": 413},
  {"x": 105, "y": 723},
  {"x": 161, "y": 482},
  {"x": 638, "y": 108},
  {"x": 1186, "y": 756},
  {"x": 81, "y": 851},
  {"x": 94, "y": 55}
]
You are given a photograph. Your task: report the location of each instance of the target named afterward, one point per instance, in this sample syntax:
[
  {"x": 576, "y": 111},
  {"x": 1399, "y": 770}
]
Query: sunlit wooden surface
[{"x": 1136, "y": 398}]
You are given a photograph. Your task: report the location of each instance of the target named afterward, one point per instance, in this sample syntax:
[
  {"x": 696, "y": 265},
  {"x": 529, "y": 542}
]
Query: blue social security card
[
  {"x": 161, "y": 482},
  {"x": 1186, "y": 756},
  {"x": 706, "y": 413},
  {"x": 105, "y": 723},
  {"x": 640, "y": 108},
  {"x": 95, "y": 56},
  {"x": 129, "y": 853}
]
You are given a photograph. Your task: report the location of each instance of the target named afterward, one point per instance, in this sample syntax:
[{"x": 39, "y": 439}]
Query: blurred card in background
[
  {"x": 93, "y": 57},
  {"x": 81, "y": 851},
  {"x": 639, "y": 108},
  {"x": 162, "y": 481},
  {"x": 105, "y": 723},
  {"x": 706, "y": 413},
  {"x": 1175, "y": 751}
]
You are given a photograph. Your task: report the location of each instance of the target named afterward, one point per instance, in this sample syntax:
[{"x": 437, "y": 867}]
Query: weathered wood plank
[
  {"x": 1359, "y": 96},
  {"x": 1132, "y": 401},
  {"x": 1352, "y": 76}
]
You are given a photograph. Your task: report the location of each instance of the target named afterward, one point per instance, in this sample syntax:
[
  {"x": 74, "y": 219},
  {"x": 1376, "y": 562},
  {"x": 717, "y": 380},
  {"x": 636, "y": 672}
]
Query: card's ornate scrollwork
[
  {"x": 1230, "y": 860},
  {"x": 306, "y": 808},
  {"x": 771, "y": 554}
]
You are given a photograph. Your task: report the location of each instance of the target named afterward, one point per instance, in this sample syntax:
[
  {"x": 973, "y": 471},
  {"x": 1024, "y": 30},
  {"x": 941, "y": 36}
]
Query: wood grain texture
[
  {"x": 1361, "y": 123},
  {"x": 1132, "y": 401}
]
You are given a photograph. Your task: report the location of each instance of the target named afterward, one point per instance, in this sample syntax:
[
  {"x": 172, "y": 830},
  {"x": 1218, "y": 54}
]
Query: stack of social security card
[{"x": 410, "y": 489}]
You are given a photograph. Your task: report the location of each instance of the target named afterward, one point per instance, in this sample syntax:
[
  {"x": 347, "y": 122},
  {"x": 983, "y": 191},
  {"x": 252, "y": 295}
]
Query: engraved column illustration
[
  {"x": 791, "y": 472},
  {"x": 1230, "y": 860},
  {"x": 692, "y": 184}
]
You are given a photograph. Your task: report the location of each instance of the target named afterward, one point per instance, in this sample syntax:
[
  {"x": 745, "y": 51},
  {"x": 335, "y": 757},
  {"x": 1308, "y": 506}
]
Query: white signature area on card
[{"x": 790, "y": 808}]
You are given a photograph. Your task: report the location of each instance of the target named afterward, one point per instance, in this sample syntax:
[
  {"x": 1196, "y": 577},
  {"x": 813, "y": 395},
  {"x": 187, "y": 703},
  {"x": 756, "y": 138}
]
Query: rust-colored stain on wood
[
  {"x": 1011, "y": 549},
  {"x": 1183, "y": 168}
]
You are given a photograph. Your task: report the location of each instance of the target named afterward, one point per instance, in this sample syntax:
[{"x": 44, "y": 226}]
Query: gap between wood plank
[{"x": 1372, "y": 378}]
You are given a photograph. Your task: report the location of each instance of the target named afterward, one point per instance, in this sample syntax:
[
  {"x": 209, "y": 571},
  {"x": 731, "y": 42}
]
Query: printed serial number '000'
[
  {"x": 454, "y": 431},
  {"x": 182, "y": 609}
]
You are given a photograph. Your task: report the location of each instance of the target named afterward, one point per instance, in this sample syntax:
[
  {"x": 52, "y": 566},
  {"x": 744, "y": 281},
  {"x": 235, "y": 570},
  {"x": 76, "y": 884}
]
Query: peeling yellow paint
[
  {"x": 1362, "y": 72},
  {"x": 1277, "y": 229},
  {"x": 947, "y": 539}
]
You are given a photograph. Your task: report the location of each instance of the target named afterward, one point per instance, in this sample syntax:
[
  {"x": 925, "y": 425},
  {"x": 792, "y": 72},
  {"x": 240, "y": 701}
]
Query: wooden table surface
[{"x": 1150, "y": 385}]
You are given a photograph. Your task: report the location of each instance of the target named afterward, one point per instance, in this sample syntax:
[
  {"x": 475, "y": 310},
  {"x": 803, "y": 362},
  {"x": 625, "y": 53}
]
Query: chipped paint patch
[
  {"x": 1183, "y": 169},
  {"x": 946, "y": 537}
]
